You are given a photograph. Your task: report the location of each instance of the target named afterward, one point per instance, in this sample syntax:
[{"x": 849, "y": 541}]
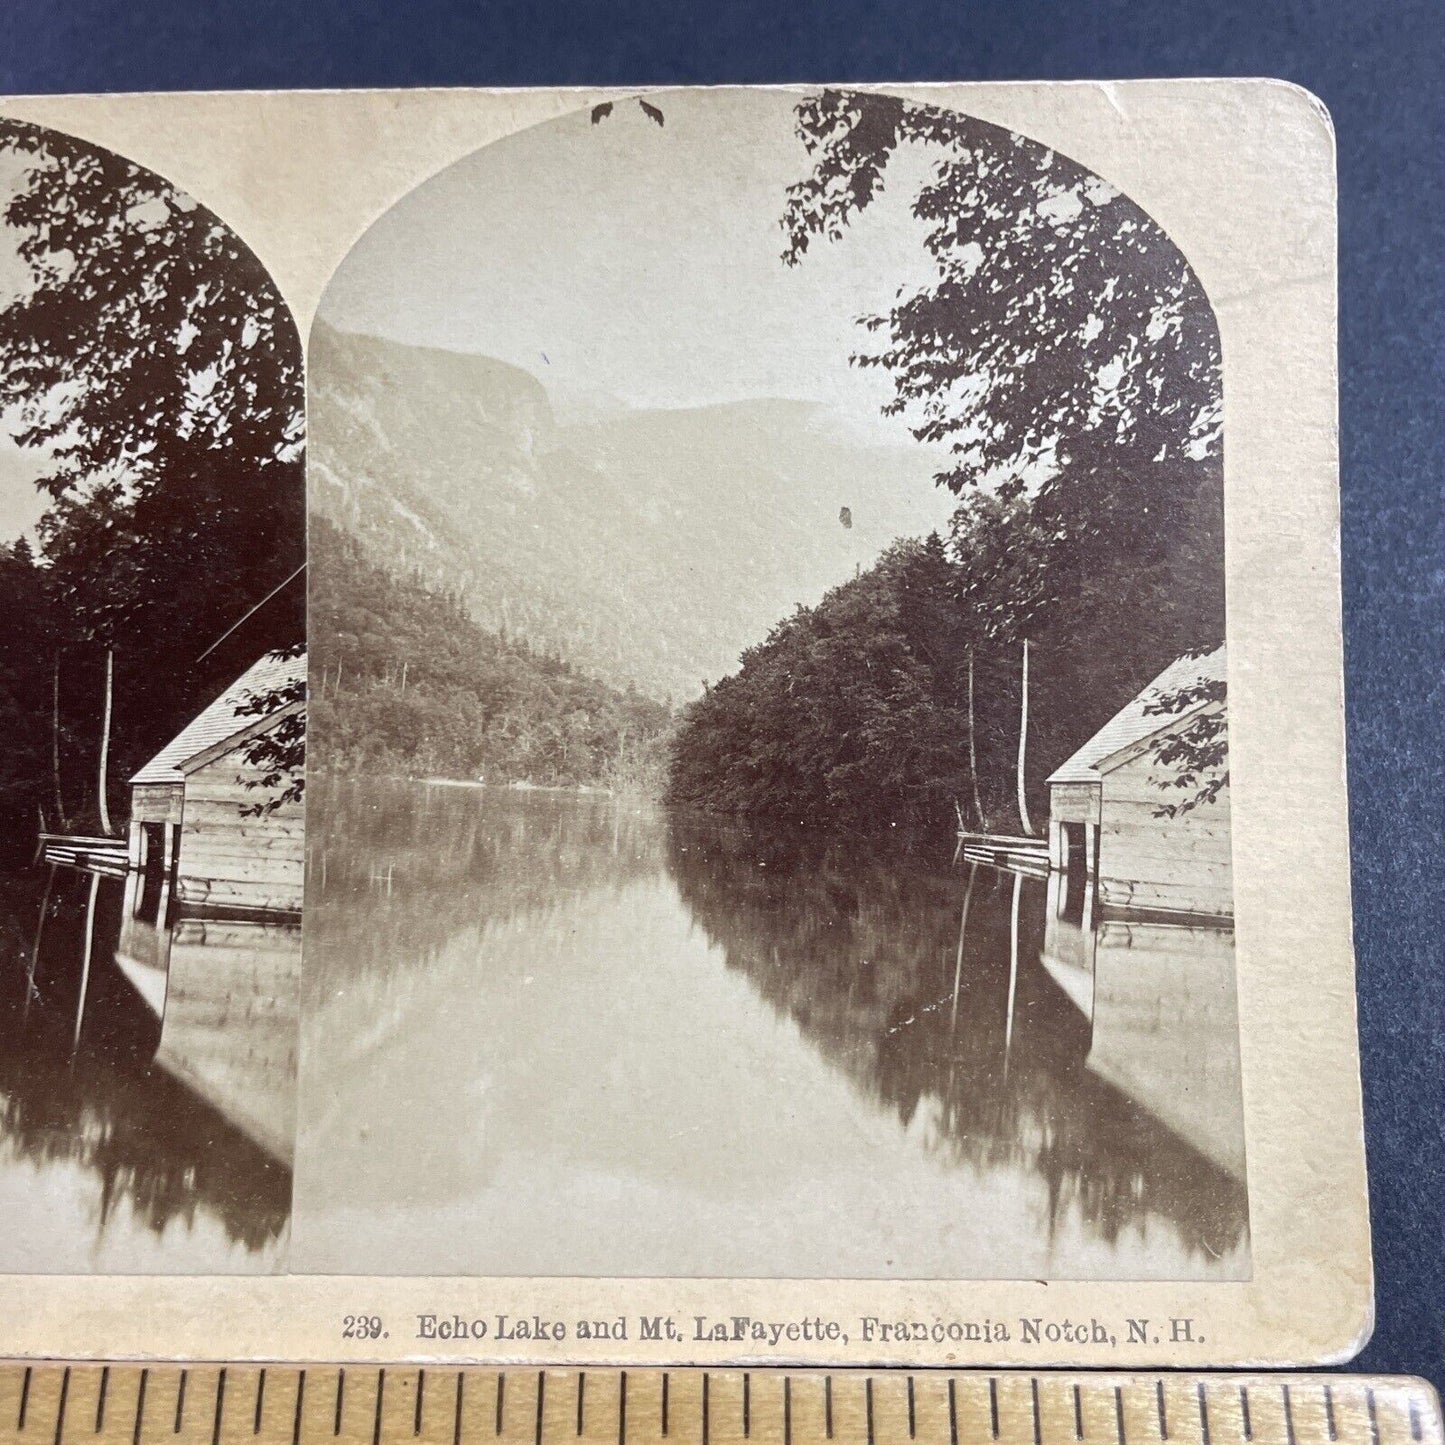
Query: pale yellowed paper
[{"x": 1240, "y": 174}]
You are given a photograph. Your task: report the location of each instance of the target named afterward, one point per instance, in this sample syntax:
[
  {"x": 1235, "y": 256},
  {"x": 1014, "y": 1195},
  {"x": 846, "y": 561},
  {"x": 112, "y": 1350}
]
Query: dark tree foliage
[
  {"x": 25, "y": 681},
  {"x": 280, "y": 751},
  {"x": 1066, "y": 355},
  {"x": 850, "y": 713},
  {"x": 157, "y": 374},
  {"x": 408, "y": 683},
  {"x": 1059, "y": 312}
]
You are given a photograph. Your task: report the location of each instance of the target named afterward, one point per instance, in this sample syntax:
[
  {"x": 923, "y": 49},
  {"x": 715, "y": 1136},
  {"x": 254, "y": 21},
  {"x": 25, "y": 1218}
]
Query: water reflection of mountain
[
  {"x": 860, "y": 944},
  {"x": 395, "y": 869},
  {"x": 157, "y": 1102}
]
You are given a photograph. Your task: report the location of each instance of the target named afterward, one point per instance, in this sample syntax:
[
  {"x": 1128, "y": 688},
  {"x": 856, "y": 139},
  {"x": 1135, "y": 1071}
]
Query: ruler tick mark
[
  {"x": 501, "y": 1387},
  {"x": 1288, "y": 1416},
  {"x": 828, "y": 1404},
  {"x": 140, "y": 1406},
  {"x": 581, "y": 1396},
  {"x": 664, "y": 1402},
  {"x": 541, "y": 1400},
  {"x": 24, "y": 1399},
  {"x": 457, "y": 1418},
  {"x": 340, "y": 1395},
  {"x": 100, "y": 1400},
  {"x": 705, "y": 1409},
  {"x": 788, "y": 1410},
  {"x": 416, "y": 1411},
  {"x": 260, "y": 1397},
  {"x": 868, "y": 1394},
  {"x": 1370, "y": 1410},
  {"x": 180, "y": 1404},
  {"x": 60, "y": 1413},
  {"x": 622, "y": 1409},
  {"x": 1163, "y": 1414},
  {"x": 1119, "y": 1412},
  {"x": 747, "y": 1404},
  {"x": 1244, "y": 1413},
  {"x": 912, "y": 1416},
  {"x": 1034, "y": 1404},
  {"x": 1414, "y": 1418},
  {"x": 1078, "y": 1414},
  {"x": 1204, "y": 1412},
  {"x": 376, "y": 1422},
  {"x": 1329, "y": 1413},
  {"x": 993, "y": 1405},
  {"x": 952, "y": 1411},
  {"x": 300, "y": 1395},
  {"x": 220, "y": 1400}
]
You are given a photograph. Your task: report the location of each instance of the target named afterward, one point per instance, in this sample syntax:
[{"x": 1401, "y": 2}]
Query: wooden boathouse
[
  {"x": 1106, "y": 818},
  {"x": 193, "y": 829}
]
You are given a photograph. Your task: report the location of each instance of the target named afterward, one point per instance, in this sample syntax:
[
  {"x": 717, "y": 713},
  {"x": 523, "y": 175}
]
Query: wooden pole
[
  {"x": 1027, "y": 826},
  {"x": 105, "y": 741},
  {"x": 973, "y": 751}
]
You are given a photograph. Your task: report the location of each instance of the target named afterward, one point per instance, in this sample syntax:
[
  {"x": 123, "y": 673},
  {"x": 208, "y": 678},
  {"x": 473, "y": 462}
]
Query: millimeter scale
[{"x": 172, "y": 1404}]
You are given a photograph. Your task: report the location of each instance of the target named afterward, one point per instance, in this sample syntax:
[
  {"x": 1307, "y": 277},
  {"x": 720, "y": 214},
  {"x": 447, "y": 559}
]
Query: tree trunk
[
  {"x": 1028, "y": 827},
  {"x": 105, "y": 742},
  {"x": 62, "y": 821},
  {"x": 973, "y": 753}
]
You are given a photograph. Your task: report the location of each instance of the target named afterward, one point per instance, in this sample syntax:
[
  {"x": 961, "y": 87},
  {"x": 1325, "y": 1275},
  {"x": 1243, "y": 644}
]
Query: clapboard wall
[
  {"x": 1147, "y": 860},
  {"x": 231, "y": 857}
]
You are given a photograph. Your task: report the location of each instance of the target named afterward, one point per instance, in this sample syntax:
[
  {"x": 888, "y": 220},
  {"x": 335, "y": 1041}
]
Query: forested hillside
[
  {"x": 405, "y": 681},
  {"x": 896, "y": 702}
]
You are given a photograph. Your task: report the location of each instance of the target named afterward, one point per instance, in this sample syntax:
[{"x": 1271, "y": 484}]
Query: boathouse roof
[
  {"x": 223, "y": 719},
  {"x": 1134, "y": 722}
]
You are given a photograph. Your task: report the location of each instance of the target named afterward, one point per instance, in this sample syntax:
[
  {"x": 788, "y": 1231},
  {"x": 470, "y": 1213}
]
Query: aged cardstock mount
[{"x": 1239, "y": 177}]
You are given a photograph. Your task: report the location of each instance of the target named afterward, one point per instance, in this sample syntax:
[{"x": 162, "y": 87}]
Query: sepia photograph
[
  {"x": 152, "y": 687},
  {"x": 769, "y": 807}
]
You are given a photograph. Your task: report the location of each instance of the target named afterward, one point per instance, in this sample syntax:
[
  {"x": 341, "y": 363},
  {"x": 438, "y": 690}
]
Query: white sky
[
  {"x": 641, "y": 262},
  {"x": 20, "y": 503}
]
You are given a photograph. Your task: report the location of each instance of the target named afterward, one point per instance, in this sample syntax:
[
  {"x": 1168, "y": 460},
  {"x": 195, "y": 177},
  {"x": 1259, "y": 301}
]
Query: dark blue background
[{"x": 1380, "y": 67}]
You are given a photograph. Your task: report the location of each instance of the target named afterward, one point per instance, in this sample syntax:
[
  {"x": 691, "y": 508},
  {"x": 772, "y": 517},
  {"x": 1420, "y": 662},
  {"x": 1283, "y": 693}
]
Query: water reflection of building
[
  {"x": 1159, "y": 997},
  {"x": 982, "y": 1004},
  {"x": 199, "y": 831},
  {"x": 1107, "y": 804},
  {"x": 227, "y": 993},
  {"x": 111, "y": 1072}
]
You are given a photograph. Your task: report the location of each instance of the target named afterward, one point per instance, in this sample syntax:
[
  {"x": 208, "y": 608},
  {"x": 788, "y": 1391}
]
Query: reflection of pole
[
  {"x": 39, "y": 934},
  {"x": 958, "y": 966},
  {"x": 1013, "y": 969},
  {"x": 55, "y": 743},
  {"x": 85, "y": 966},
  {"x": 105, "y": 740},
  {"x": 1028, "y": 827}
]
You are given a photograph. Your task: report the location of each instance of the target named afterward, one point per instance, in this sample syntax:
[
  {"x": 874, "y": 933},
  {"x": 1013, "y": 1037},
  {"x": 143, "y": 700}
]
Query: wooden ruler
[{"x": 166, "y": 1404}]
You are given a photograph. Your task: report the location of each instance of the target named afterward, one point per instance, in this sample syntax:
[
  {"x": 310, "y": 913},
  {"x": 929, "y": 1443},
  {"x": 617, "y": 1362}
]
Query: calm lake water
[
  {"x": 146, "y": 1104},
  {"x": 554, "y": 1034}
]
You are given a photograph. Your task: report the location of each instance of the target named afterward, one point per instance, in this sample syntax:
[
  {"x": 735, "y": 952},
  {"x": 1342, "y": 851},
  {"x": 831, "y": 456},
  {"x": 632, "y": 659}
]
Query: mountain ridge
[{"x": 646, "y": 545}]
